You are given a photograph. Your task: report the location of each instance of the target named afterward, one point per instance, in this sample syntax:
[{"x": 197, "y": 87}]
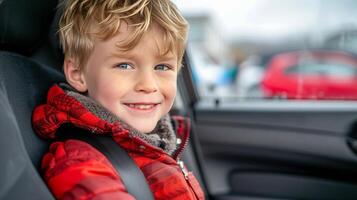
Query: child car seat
[{"x": 23, "y": 84}]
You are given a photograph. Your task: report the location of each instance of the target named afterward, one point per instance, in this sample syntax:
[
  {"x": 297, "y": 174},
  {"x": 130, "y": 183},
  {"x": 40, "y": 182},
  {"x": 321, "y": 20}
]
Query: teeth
[{"x": 141, "y": 106}]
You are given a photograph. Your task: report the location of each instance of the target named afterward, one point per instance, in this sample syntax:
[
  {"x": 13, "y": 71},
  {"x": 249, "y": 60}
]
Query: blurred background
[{"x": 272, "y": 49}]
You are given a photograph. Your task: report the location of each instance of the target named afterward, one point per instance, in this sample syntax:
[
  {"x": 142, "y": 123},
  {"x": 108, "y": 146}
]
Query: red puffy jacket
[{"x": 75, "y": 170}]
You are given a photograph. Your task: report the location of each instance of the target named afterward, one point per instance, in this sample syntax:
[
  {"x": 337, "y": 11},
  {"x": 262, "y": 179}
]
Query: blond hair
[{"x": 81, "y": 16}]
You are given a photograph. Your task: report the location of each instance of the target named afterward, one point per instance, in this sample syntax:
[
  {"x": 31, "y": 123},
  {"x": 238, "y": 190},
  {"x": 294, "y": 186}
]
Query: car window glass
[
  {"x": 247, "y": 50},
  {"x": 322, "y": 69}
]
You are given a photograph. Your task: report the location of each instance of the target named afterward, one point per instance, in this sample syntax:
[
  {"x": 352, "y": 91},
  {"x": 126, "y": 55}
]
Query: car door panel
[{"x": 277, "y": 149}]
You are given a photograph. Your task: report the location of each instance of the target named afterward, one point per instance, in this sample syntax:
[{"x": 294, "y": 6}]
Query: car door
[
  {"x": 298, "y": 150},
  {"x": 260, "y": 148},
  {"x": 273, "y": 149}
]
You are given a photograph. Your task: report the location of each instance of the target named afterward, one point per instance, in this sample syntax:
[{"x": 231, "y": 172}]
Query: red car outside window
[{"x": 311, "y": 74}]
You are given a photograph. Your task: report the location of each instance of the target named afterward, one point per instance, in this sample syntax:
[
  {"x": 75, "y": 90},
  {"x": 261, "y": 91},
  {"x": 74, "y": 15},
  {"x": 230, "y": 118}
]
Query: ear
[{"x": 74, "y": 75}]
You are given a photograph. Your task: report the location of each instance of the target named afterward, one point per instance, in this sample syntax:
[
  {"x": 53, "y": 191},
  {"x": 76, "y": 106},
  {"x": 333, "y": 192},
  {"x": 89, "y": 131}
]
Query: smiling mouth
[{"x": 141, "y": 106}]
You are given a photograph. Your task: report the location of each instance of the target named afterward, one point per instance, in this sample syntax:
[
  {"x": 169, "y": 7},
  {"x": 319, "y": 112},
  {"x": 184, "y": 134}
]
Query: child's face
[{"x": 139, "y": 86}]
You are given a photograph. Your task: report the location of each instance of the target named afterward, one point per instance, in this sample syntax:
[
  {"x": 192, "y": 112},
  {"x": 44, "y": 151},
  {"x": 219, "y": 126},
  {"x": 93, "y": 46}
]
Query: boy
[{"x": 121, "y": 63}]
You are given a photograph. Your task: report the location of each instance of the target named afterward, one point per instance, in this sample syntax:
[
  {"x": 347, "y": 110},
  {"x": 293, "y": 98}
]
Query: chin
[{"x": 145, "y": 128}]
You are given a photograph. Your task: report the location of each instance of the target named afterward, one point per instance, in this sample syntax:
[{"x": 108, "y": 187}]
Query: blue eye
[
  {"x": 162, "y": 67},
  {"x": 124, "y": 66}
]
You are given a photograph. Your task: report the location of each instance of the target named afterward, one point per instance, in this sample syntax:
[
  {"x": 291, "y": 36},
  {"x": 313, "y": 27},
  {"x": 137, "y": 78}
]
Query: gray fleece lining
[{"x": 162, "y": 136}]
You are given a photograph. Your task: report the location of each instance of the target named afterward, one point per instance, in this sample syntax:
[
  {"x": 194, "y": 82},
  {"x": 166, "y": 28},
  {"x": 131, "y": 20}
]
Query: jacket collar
[{"x": 65, "y": 105}]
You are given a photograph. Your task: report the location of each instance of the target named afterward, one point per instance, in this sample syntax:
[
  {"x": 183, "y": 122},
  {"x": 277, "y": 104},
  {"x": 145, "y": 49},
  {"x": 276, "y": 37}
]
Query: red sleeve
[{"x": 75, "y": 170}]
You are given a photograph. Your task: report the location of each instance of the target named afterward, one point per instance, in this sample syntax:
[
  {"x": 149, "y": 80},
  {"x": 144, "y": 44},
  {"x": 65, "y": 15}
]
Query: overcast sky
[{"x": 273, "y": 17}]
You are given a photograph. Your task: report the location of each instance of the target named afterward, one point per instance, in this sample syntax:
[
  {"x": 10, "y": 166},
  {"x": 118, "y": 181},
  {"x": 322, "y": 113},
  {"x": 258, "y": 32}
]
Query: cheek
[
  {"x": 169, "y": 90},
  {"x": 93, "y": 87},
  {"x": 104, "y": 90}
]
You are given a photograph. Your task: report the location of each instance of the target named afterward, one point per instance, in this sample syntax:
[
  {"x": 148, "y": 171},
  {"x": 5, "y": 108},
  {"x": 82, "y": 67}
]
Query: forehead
[
  {"x": 154, "y": 40},
  {"x": 151, "y": 44}
]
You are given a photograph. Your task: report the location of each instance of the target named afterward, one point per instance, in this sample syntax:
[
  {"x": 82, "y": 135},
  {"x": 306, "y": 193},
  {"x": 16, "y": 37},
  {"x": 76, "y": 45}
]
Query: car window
[
  {"x": 322, "y": 69},
  {"x": 242, "y": 49}
]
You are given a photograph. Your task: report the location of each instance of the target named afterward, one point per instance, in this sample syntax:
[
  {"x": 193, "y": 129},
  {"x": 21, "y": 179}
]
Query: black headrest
[
  {"x": 25, "y": 84},
  {"x": 25, "y": 24}
]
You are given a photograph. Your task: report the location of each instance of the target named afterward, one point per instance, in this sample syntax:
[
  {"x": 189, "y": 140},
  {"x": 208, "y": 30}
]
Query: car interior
[{"x": 241, "y": 150}]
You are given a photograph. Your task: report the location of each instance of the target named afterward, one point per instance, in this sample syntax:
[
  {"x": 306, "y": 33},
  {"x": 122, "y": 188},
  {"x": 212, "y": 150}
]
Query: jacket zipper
[
  {"x": 185, "y": 174},
  {"x": 183, "y": 169},
  {"x": 181, "y": 164},
  {"x": 181, "y": 148}
]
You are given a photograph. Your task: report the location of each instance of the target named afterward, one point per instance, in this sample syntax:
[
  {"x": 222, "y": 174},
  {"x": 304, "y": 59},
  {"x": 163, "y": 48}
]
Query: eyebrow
[
  {"x": 131, "y": 56},
  {"x": 122, "y": 55},
  {"x": 166, "y": 57}
]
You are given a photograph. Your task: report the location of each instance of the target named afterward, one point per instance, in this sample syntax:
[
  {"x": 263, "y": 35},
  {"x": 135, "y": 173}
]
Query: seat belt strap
[{"x": 131, "y": 175}]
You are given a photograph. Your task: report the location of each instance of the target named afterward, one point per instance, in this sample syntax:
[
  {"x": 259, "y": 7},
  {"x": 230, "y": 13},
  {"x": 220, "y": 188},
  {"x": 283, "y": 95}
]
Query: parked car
[{"x": 311, "y": 74}]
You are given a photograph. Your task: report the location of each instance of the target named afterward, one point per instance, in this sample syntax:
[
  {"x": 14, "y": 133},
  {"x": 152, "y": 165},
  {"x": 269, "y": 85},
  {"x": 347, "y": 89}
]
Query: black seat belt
[{"x": 132, "y": 177}]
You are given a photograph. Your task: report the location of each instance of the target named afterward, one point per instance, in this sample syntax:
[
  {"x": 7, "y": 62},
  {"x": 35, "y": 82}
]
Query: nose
[{"x": 146, "y": 82}]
